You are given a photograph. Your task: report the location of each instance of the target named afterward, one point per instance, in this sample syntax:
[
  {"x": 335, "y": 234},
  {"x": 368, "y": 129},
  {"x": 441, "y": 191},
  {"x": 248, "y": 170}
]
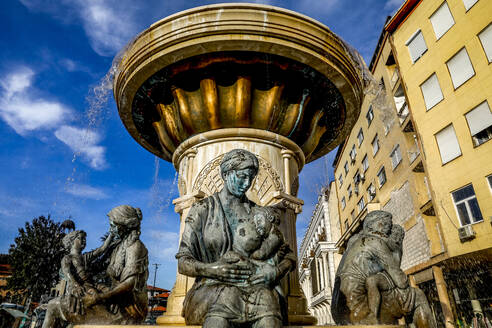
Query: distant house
[{"x": 157, "y": 302}]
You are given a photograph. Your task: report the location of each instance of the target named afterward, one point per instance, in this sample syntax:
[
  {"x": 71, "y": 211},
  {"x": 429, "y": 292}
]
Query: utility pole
[{"x": 156, "y": 266}]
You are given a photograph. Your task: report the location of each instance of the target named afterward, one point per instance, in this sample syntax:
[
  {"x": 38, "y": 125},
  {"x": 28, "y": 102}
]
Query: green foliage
[{"x": 36, "y": 256}]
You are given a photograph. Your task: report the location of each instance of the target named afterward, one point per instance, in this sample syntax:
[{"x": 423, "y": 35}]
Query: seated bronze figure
[
  {"x": 234, "y": 249},
  {"x": 123, "y": 300}
]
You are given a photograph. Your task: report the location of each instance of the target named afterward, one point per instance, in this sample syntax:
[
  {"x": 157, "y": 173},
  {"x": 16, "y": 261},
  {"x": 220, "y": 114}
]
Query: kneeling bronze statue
[{"x": 370, "y": 288}]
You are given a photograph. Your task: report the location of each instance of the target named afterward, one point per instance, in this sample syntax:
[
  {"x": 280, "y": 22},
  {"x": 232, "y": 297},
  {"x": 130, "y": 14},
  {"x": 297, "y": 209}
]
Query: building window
[
  {"x": 369, "y": 115},
  {"x": 381, "y": 177},
  {"x": 486, "y": 39},
  {"x": 469, "y": 3},
  {"x": 349, "y": 191},
  {"x": 343, "y": 203},
  {"x": 340, "y": 179},
  {"x": 346, "y": 168},
  {"x": 395, "y": 156},
  {"x": 416, "y": 46},
  {"x": 489, "y": 179},
  {"x": 431, "y": 91},
  {"x": 460, "y": 68},
  {"x": 375, "y": 145},
  {"x": 356, "y": 178},
  {"x": 346, "y": 225},
  {"x": 448, "y": 144},
  {"x": 466, "y": 205},
  {"x": 353, "y": 154},
  {"x": 401, "y": 104},
  {"x": 480, "y": 123},
  {"x": 361, "y": 204},
  {"x": 365, "y": 163},
  {"x": 371, "y": 192},
  {"x": 442, "y": 20},
  {"x": 360, "y": 136},
  {"x": 352, "y": 214}
]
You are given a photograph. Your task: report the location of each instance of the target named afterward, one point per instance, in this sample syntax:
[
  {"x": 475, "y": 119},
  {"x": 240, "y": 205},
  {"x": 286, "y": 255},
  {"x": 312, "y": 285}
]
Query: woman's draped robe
[{"x": 206, "y": 238}]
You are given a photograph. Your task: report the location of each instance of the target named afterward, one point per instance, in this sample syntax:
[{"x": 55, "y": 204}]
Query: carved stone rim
[
  {"x": 235, "y": 134},
  {"x": 237, "y": 27}
]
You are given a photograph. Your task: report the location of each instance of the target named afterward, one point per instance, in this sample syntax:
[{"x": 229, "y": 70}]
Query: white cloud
[
  {"x": 21, "y": 111},
  {"x": 84, "y": 142},
  {"x": 86, "y": 191},
  {"x": 73, "y": 66},
  {"x": 163, "y": 245},
  {"x": 109, "y": 24}
]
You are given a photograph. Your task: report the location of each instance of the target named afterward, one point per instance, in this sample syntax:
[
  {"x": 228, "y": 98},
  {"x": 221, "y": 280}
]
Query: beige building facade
[
  {"x": 444, "y": 53},
  {"x": 319, "y": 256},
  {"x": 420, "y": 150}
]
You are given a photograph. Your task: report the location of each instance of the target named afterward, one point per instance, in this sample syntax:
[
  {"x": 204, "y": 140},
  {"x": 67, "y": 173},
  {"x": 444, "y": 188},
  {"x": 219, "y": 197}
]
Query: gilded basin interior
[
  {"x": 238, "y": 65},
  {"x": 238, "y": 89}
]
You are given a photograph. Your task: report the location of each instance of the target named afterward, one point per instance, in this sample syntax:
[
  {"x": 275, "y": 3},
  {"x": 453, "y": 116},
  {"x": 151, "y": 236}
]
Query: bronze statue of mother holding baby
[{"x": 234, "y": 249}]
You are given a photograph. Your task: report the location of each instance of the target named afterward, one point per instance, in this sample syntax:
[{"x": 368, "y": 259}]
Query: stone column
[
  {"x": 183, "y": 283},
  {"x": 442, "y": 292}
]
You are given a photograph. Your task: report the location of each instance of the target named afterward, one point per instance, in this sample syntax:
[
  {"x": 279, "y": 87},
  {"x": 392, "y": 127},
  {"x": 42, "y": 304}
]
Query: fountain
[{"x": 202, "y": 82}]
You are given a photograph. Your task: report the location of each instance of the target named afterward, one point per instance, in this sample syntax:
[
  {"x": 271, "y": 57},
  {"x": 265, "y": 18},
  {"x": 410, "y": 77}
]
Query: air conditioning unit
[
  {"x": 372, "y": 193},
  {"x": 466, "y": 233},
  {"x": 363, "y": 177},
  {"x": 356, "y": 190},
  {"x": 352, "y": 158}
]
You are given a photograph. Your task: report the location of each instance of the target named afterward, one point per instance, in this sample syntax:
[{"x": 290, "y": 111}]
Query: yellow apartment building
[
  {"x": 381, "y": 166},
  {"x": 443, "y": 51}
]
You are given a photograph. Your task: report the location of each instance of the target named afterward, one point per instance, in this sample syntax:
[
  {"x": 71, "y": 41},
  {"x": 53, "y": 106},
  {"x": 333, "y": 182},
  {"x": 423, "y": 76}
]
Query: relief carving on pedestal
[{"x": 264, "y": 185}]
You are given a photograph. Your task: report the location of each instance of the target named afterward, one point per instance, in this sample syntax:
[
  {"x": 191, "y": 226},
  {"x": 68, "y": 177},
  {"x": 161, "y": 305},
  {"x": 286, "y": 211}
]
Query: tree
[{"x": 36, "y": 256}]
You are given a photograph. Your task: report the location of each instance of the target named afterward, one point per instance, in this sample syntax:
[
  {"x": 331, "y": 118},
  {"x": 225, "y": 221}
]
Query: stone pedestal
[{"x": 198, "y": 159}]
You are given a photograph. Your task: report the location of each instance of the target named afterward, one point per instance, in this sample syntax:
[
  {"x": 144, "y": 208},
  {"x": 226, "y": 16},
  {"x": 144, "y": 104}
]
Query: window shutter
[
  {"x": 460, "y": 68},
  {"x": 448, "y": 144},
  {"x": 479, "y": 118},
  {"x": 442, "y": 20},
  {"x": 469, "y": 3},
  {"x": 486, "y": 39},
  {"x": 416, "y": 46},
  {"x": 431, "y": 91}
]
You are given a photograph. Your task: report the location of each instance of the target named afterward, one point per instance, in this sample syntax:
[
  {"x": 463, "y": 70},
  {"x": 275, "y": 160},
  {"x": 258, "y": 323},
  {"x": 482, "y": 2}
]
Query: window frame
[
  {"x": 475, "y": 143},
  {"x": 396, "y": 150},
  {"x": 382, "y": 169},
  {"x": 349, "y": 191},
  {"x": 371, "y": 112},
  {"x": 343, "y": 203},
  {"x": 422, "y": 91},
  {"x": 346, "y": 168},
  {"x": 452, "y": 17},
  {"x": 481, "y": 43},
  {"x": 449, "y": 71},
  {"x": 409, "y": 41},
  {"x": 439, "y": 149},
  {"x": 360, "y": 140},
  {"x": 340, "y": 179},
  {"x": 372, "y": 144},
  {"x": 365, "y": 167},
  {"x": 466, "y": 10},
  {"x": 361, "y": 200},
  {"x": 369, "y": 197},
  {"x": 467, "y": 206}
]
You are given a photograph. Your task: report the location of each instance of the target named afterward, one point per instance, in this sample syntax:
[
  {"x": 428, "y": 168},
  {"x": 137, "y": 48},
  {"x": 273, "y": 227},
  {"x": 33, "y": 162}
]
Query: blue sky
[{"x": 56, "y": 159}]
